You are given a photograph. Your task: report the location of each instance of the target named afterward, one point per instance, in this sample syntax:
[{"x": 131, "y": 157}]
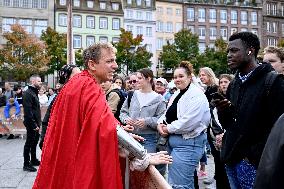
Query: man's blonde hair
[{"x": 275, "y": 50}]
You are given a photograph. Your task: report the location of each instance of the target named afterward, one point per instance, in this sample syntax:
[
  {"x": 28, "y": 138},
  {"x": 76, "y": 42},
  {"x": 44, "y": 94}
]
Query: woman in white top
[
  {"x": 43, "y": 99},
  {"x": 186, "y": 119}
]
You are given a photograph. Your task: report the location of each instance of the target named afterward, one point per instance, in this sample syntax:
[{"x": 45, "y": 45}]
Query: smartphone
[{"x": 217, "y": 96}]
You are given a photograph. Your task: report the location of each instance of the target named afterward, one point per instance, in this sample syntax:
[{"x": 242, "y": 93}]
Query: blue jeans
[
  {"x": 186, "y": 155},
  {"x": 241, "y": 175},
  {"x": 150, "y": 142}
]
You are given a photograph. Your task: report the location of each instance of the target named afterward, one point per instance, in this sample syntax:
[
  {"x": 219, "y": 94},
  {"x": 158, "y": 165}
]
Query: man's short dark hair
[{"x": 249, "y": 39}]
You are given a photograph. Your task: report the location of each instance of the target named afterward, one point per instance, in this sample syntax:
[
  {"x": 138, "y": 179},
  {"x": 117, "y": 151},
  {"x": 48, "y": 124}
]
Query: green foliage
[
  {"x": 132, "y": 61},
  {"x": 56, "y": 49},
  {"x": 79, "y": 58},
  {"x": 22, "y": 55},
  {"x": 281, "y": 43}
]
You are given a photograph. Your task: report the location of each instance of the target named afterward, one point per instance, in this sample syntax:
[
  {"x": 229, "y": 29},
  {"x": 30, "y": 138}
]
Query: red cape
[{"x": 80, "y": 149}]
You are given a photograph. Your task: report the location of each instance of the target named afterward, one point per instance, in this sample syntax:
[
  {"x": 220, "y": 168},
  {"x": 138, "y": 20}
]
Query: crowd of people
[{"x": 230, "y": 117}]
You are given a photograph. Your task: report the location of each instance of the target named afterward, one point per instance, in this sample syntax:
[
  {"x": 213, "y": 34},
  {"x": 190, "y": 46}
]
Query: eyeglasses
[{"x": 132, "y": 81}]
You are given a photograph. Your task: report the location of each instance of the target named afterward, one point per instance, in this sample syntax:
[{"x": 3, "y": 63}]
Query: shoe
[
  {"x": 202, "y": 175},
  {"x": 11, "y": 136},
  {"x": 208, "y": 181},
  {"x": 29, "y": 168},
  {"x": 35, "y": 162}
]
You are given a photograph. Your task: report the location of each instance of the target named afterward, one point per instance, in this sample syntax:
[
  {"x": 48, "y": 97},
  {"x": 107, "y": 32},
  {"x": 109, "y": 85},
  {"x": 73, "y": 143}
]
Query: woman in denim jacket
[
  {"x": 185, "y": 121},
  {"x": 144, "y": 110}
]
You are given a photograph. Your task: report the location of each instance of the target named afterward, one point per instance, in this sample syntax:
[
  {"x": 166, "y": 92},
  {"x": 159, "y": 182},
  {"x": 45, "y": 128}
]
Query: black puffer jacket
[
  {"x": 270, "y": 171},
  {"x": 32, "y": 114},
  {"x": 250, "y": 118}
]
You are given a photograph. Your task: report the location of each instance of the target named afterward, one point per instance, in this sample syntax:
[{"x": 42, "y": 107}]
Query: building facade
[
  {"x": 34, "y": 15},
  {"x": 169, "y": 16},
  {"x": 140, "y": 18},
  {"x": 219, "y": 19},
  {"x": 273, "y": 22},
  {"x": 93, "y": 21}
]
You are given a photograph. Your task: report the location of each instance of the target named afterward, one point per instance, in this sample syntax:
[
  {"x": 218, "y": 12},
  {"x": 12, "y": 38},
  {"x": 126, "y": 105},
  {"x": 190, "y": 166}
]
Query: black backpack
[{"x": 121, "y": 101}]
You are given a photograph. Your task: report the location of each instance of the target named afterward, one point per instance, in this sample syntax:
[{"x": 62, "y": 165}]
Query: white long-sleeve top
[{"x": 192, "y": 112}]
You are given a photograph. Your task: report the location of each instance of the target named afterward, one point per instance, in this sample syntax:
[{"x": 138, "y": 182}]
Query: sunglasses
[{"x": 132, "y": 81}]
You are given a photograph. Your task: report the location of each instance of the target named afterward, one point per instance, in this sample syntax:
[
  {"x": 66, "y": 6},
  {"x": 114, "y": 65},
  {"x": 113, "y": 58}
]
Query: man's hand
[
  {"x": 36, "y": 129},
  {"x": 219, "y": 140},
  {"x": 161, "y": 158},
  {"x": 128, "y": 128},
  {"x": 221, "y": 104},
  {"x": 162, "y": 129},
  {"x": 130, "y": 122},
  {"x": 137, "y": 137},
  {"x": 140, "y": 123}
]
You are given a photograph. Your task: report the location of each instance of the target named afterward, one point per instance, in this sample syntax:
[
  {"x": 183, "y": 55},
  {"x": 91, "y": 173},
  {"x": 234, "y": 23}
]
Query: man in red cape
[{"x": 81, "y": 148}]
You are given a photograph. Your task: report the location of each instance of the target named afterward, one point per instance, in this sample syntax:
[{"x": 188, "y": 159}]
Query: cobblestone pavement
[{"x": 13, "y": 176}]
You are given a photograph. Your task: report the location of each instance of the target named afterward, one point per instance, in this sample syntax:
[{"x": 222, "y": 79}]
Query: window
[
  {"x": 213, "y": 33},
  {"x": 129, "y": 28},
  {"x": 16, "y": 3},
  {"x": 27, "y": 25},
  {"x": 274, "y": 9},
  {"x": 40, "y": 25},
  {"x": 212, "y": 16},
  {"x": 77, "y": 41},
  {"x": 201, "y": 32},
  {"x": 103, "y": 23},
  {"x": 62, "y": 2},
  {"x": 223, "y": 16},
  {"x": 62, "y": 19},
  {"x": 254, "y": 18},
  {"x": 272, "y": 42},
  {"x": 129, "y": 14},
  {"x": 115, "y": 6},
  {"x": 35, "y": 4},
  {"x": 178, "y": 12},
  {"x": 129, "y": 2},
  {"x": 77, "y": 21},
  {"x": 148, "y": 3},
  {"x": 274, "y": 27},
  {"x": 102, "y": 5},
  {"x": 149, "y": 47},
  {"x": 201, "y": 15},
  {"x": 234, "y": 17},
  {"x": 160, "y": 10},
  {"x": 178, "y": 26},
  {"x": 6, "y": 24},
  {"x": 190, "y": 14},
  {"x": 282, "y": 10},
  {"x": 43, "y": 4},
  {"x": 159, "y": 26},
  {"x": 191, "y": 28},
  {"x": 139, "y": 30},
  {"x": 211, "y": 46},
  {"x": 76, "y": 3},
  {"x": 149, "y": 31},
  {"x": 268, "y": 27},
  {"x": 160, "y": 44},
  {"x": 224, "y": 33},
  {"x": 169, "y": 27},
  {"x": 244, "y": 18},
  {"x": 7, "y": 3},
  {"x": 148, "y": 16},
  {"x": 268, "y": 9},
  {"x": 115, "y": 39},
  {"x": 115, "y": 23},
  {"x": 90, "y": 22},
  {"x": 103, "y": 39},
  {"x": 139, "y": 15},
  {"x": 90, "y": 4},
  {"x": 282, "y": 29},
  {"x": 244, "y": 29},
  {"x": 90, "y": 40},
  {"x": 169, "y": 11},
  {"x": 234, "y": 30},
  {"x": 202, "y": 47},
  {"x": 138, "y": 2},
  {"x": 26, "y": 4}
]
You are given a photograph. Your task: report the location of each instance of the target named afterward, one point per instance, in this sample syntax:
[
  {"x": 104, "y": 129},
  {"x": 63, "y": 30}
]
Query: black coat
[
  {"x": 32, "y": 114},
  {"x": 270, "y": 171},
  {"x": 250, "y": 118},
  {"x": 2, "y": 100}
]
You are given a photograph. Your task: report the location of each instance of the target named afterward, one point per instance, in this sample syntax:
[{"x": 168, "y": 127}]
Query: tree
[
  {"x": 22, "y": 55},
  {"x": 56, "y": 49},
  {"x": 132, "y": 61},
  {"x": 185, "y": 47},
  {"x": 281, "y": 43}
]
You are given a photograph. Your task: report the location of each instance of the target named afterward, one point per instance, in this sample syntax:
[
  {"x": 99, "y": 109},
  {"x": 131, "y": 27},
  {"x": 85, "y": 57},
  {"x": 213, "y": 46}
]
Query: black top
[{"x": 171, "y": 114}]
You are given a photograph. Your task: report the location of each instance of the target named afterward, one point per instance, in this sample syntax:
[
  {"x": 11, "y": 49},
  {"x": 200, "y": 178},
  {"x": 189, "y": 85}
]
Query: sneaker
[
  {"x": 29, "y": 168},
  {"x": 11, "y": 136},
  {"x": 201, "y": 174},
  {"x": 35, "y": 162},
  {"x": 208, "y": 181}
]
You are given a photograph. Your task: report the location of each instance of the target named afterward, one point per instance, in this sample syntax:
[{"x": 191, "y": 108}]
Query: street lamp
[{"x": 132, "y": 50}]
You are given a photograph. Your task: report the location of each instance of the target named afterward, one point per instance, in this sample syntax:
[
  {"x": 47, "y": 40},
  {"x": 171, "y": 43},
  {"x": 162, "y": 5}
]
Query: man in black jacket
[
  {"x": 249, "y": 111},
  {"x": 32, "y": 122}
]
